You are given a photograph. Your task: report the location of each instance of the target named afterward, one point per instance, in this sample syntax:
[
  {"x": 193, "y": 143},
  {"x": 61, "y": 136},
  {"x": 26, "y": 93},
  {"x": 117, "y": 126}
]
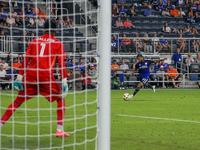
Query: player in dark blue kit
[{"x": 143, "y": 67}]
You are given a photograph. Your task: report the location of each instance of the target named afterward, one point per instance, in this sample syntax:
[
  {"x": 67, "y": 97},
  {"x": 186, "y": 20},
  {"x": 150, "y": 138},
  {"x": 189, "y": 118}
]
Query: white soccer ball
[{"x": 126, "y": 96}]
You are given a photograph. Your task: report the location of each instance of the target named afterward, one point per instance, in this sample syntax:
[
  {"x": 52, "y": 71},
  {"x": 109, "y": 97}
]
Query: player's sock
[
  {"x": 136, "y": 90},
  {"x": 10, "y": 110},
  {"x": 59, "y": 128},
  {"x": 60, "y": 114},
  {"x": 149, "y": 86}
]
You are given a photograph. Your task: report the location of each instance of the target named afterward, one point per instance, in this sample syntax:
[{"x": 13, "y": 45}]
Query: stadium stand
[{"x": 182, "y": 32}]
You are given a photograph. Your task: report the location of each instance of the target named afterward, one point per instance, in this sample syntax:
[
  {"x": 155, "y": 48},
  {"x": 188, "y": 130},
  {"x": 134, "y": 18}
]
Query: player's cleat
[
  {"x": 61, "y": 134},
  {"x": 154, "y": 88},
  {"x": 130, "y": 96}
]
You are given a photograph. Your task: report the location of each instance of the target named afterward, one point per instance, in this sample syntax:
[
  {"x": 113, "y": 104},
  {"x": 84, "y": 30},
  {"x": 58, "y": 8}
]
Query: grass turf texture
[{"x": 130, "y": 132}]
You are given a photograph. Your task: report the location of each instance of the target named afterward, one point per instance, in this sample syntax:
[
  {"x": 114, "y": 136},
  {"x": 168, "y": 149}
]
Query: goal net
[{"x": 33, "y": 125}]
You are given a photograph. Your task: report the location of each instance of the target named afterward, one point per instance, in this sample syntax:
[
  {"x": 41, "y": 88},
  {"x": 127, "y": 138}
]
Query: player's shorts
[
  {"x": 144, "y": 80},
  {"x": 51, "y": 91}
]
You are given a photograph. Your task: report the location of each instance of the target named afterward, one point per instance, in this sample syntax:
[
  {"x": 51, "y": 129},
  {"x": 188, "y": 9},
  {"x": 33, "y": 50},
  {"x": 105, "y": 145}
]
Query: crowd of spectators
[
  {"x": 9, "y": 68},
  {"x": 151, "y": 45},
  {"x": 85, "y": 71},
  {"x": 146, "y": 45},
  {"x": 29, "y": 16},
  {"x": 163, "y": 75},
  {"x": 166, "y": 9}
]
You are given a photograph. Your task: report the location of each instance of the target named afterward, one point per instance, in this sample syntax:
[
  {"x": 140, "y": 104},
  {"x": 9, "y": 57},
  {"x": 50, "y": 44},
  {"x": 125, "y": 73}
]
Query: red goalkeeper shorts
[{"x": 50, "y": 90}]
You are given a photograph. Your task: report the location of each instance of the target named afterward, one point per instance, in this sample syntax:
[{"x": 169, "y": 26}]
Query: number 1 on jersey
[{"x": 42, "y": 49}]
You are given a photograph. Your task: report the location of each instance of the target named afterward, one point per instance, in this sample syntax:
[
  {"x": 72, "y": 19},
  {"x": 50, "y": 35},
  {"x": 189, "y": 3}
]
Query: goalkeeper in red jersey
[{"x": 38, "y": 67}]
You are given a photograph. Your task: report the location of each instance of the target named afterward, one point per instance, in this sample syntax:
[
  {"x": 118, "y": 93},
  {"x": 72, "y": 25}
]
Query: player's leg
[
  {"x": 28, "y": 92},
  {"x": 60, "y": 117},
  {"x": 140, "y": 84},
  {"x": 147, "y": 84},
  {"x": 53, "y": 93}
]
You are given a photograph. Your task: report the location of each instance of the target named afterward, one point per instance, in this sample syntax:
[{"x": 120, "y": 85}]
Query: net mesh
[{"x": 34, "y": 123}]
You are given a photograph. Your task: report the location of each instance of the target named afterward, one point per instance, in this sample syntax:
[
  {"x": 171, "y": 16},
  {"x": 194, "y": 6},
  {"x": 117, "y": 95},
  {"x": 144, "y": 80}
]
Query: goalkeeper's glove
[
  {"x": 65, "y": 87},
  {"x": 18, "y": 83}
]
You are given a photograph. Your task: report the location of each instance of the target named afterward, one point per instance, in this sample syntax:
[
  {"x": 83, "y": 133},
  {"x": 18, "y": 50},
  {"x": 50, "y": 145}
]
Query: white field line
[{"x": 156, "y": 118}]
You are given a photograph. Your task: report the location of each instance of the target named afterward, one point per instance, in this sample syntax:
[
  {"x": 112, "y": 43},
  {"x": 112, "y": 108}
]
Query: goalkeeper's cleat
[
  {"x": 61, "y": 134},
  {"x": 154, "y": 88}
]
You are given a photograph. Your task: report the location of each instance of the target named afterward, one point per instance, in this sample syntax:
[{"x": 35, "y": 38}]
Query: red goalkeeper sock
[
  {"x": 9, "y": 111},
  {"x": 60, "y": 111}
]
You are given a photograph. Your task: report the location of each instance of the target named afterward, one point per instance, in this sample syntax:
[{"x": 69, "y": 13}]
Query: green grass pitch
[{"x": 165, "y": 120}]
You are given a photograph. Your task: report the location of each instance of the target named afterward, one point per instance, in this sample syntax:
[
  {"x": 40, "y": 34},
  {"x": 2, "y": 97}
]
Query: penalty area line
[{"x": 156, "y": 118}]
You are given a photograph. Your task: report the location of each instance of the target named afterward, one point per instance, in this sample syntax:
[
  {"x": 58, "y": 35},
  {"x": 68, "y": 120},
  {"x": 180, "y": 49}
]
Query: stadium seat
[
  {"x": 86, "y": 59},
  {"x": 15, "y": 47},
  {"x": 118, "y": 59},
  {"x": 132, "y": 81},
  {"x": 67, "y": 47},
  {"x": 128, "y": 71},
  {"x": 119, "y": 71},
  {"x": 194, "y": 68},
  {"x": 127, "y": 60}
]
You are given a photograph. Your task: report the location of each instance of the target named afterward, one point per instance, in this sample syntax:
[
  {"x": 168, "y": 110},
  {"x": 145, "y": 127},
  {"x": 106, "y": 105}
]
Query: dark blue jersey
[{"x": 144, "y": 68}]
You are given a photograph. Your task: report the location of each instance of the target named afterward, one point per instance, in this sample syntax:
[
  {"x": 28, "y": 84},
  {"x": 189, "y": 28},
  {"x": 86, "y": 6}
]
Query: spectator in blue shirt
[
  {"x": 164, "y": 65},
  {"x": 155, "y": 3},
  {"x": 194, "y": 7},
  {"x": 189, "y": 18},
  {"x": 160, "y": 7},
  {"x": 11, "y": 75},
  {"x": 169, "y": 6},
  {"x": 68, "y": 60},
  {"x": 148, "y": 12},
  {"x": 116, "y": 42},
  {"x": 81, "y": 64},
  {"x": 164, "y": 2},
  {"x": 28, "y": 9},
  {"x": 32, "y": 14},
  {"x": 177, "y": 57},
  {"x": 3, "y": 14},
  {"x": 180, "y": 2},
  {"x": 72, "y": 65},
  {"x": 156, "y": 67},
  {"x": 122, "y": 11},
  {"x": 163, "y": 43}
]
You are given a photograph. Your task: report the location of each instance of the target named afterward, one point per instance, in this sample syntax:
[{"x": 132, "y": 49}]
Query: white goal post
[{"x": 104, "y": 74}]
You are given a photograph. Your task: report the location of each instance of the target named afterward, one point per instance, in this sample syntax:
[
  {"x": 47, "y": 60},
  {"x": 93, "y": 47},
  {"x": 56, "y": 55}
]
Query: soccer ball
[{"x": 126, "y": 96}]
